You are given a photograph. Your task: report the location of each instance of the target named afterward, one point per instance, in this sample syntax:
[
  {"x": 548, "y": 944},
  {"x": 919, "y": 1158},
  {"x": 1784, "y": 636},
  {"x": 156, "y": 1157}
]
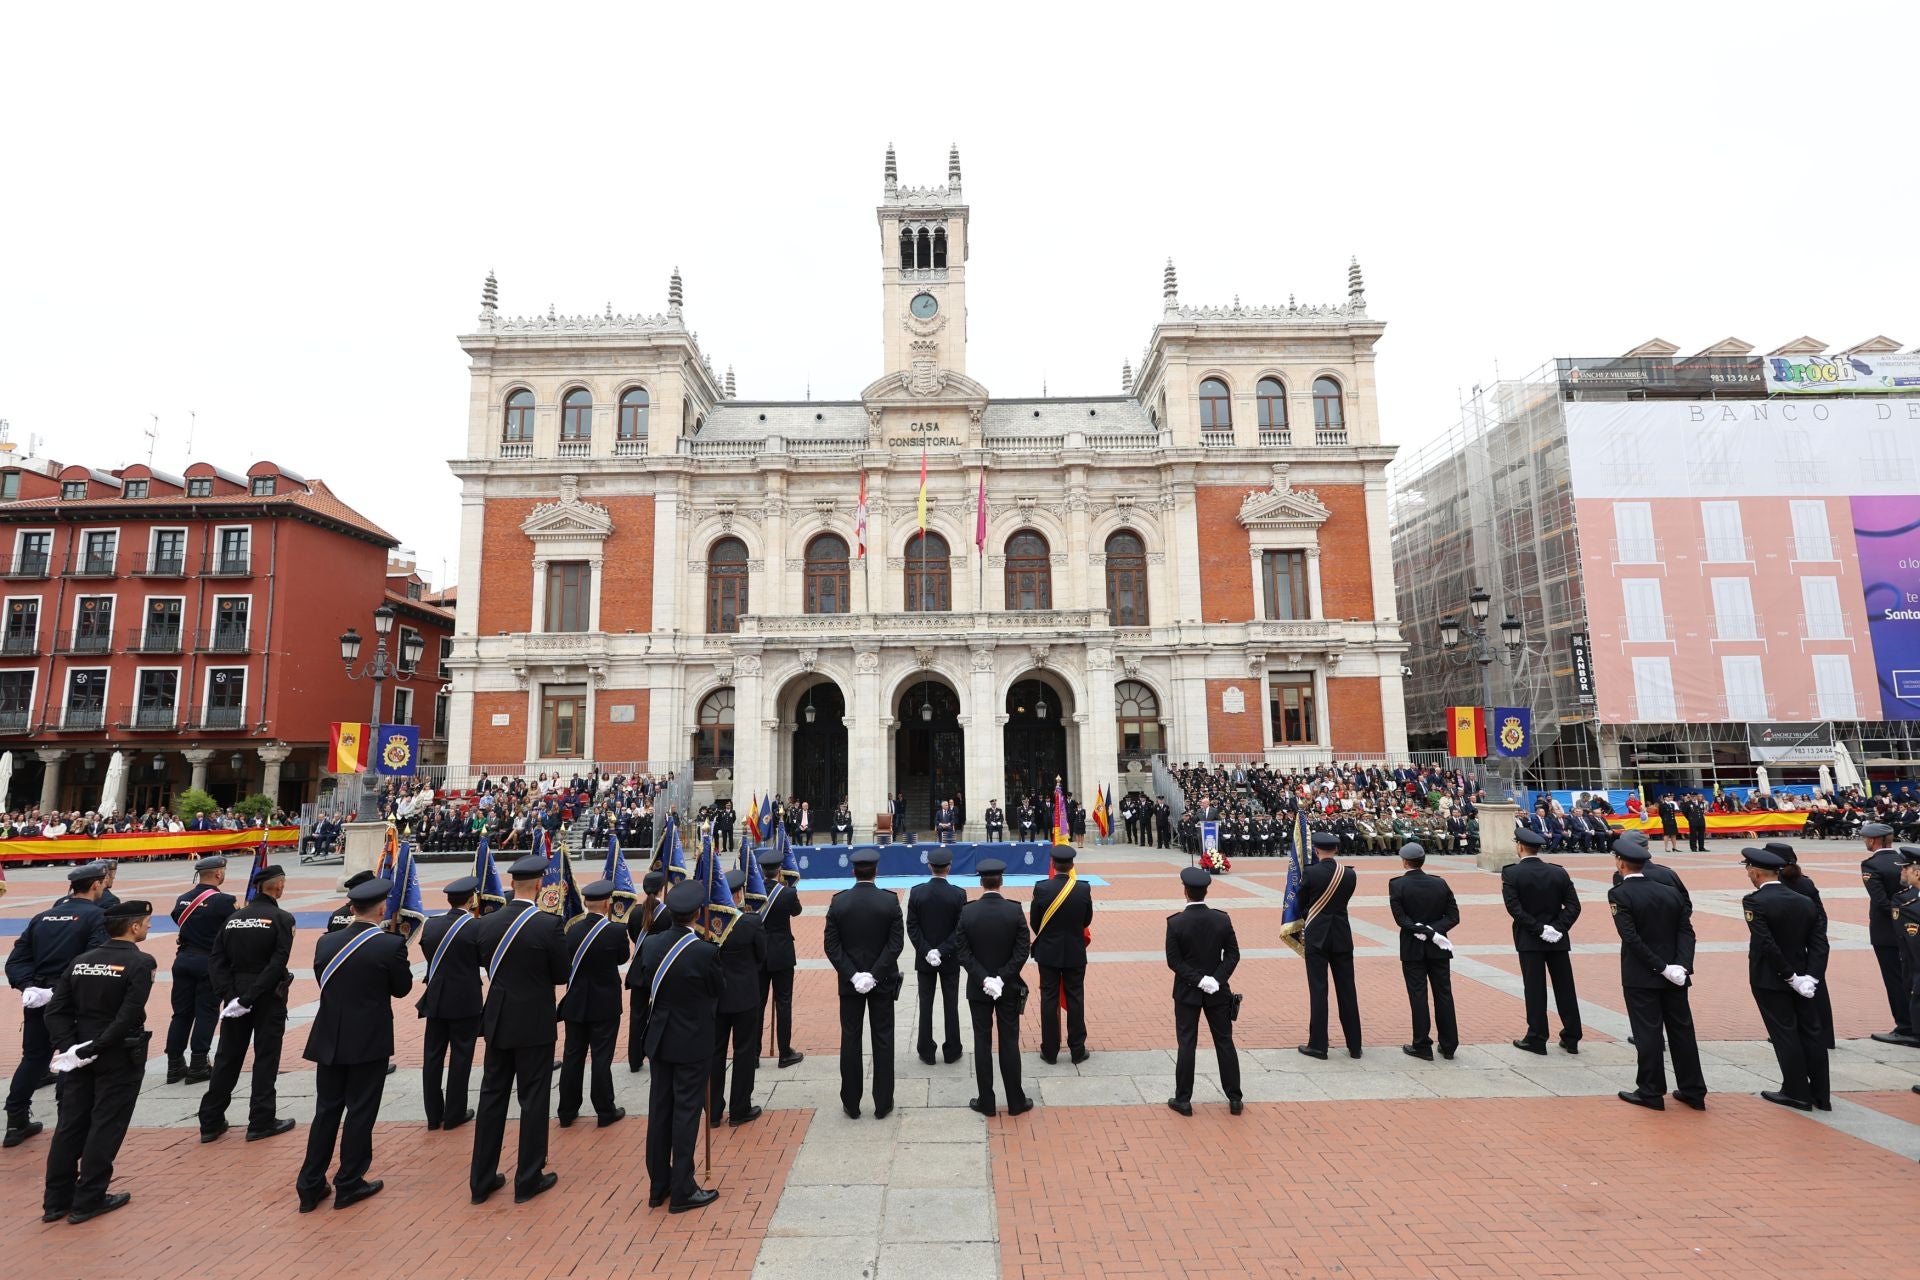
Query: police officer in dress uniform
[
  {"x": 1543, "y": 903},
  {"x": 864, "y": 937},
  {"x": 40, "y": 955},
  {"x": 342, "y": 916},
  {"x": 361, "y": 969},
  {"x": 743, "y": 959},
  {"x": 596, "y": 948},
  {"x": 776, "y": 917},
  {"x": 1424, "y": 908},
  {"x": 1655, "y": 923},
  {"x": 1907, "y": 904},
  {"x": 1060, "y": 920},
  {"x": 526, "y": 957},
  {"x": 199, "y": 913},
  {"x": 1797, "y": 880},
  {"x": 1325, "y": 889},
  {"x": 1203, "y": 953},
  {"x": 680, "y": 973},
  {"x": 1881, "y": 874},
  {"x": 250, "y": 981},
  {"x": 991, "y": 944},
  {"x": 933, "y": 914},
  {"x": 99, "y": 1014},
  {"x": 996, "y": 819},
  {"x": 648, "y": 917},
  {"x": 1786, "y": 949},
  {"x": 451, "y": 1003}
]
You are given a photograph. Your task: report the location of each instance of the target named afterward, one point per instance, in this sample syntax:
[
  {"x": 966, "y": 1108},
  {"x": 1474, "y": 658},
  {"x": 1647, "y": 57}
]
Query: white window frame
[
  {"x": 213, "y": 617},
  {"x": 83, "y": 535},
  {"x": 66, "y": 484},
  {"x": 446, "y": 656},
  {"x": 216, "y": 552},
  {"x": 19, "y": 538},
  {"x": 33, "y": 686},
  {"x": 1837, "y": 616},
  {"x": 1673, "y": 697},
  {"x": 1627, "y": 614},
  {"x": 206, "y": 691},
  {"x": 1834, "y": 662},
  {"x": 411, "y": 700},
  {"x": 133, "y": 708},
  {"x": 106, "y": 691},
  {"x": 39, "y": 615},
  {"x": 1621, "y": 549},
  {"x": 1712, "y": 545},
  {"x": 1794, "y": 508},
  {"x": 146, "y": 616},
  {"x": 153, "y": 543},
  {"x": 1736, "y": 708},
  {"x": 400, "y": 648},
  {"x": 113, "y": 619},
  {"x": 1750, "y": 619}
]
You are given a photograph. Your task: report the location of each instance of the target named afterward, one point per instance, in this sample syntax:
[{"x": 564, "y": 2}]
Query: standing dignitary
[
  {"x": 680, "y": 972},
  {"x": 99, "y": 1013},
  {"x": 864, "y": 937},
  {"x": 361, "y": 969},
  {"x": 1061, "y": 914},
  {"x": 1786, "y": 949},
  {"x": 776, "y": 915},
  {"x": 596, "y": 948},
  {"x": 1326, "y": 887},
  {"x": 743, "y": 960},
  {"x": 933, "y": 914},
  {"x": 647, "y": 917},
  {"x": 1881, "y": 874},
  {"x": 1655, "y": 924},
  {"x": 250, "y": 981},
  {"x": 451, "y": 1004},
  {"x": 198, "y": 913},
  {"x": 1203, "y": 953},
  {"x": 1424, "y": 908},
  {"x": 526, "y": 958},
  {"x": 1544, "y": 904},
  {"x": 991, "y": 944},
  {"x": 1695, "y": 810},
  {"x": 40, "y": 955}
]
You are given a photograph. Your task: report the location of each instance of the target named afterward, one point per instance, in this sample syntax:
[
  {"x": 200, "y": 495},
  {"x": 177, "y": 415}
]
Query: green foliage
[
  {"x": 191, "y": 803},
  {"x": 255, "y": 809}
]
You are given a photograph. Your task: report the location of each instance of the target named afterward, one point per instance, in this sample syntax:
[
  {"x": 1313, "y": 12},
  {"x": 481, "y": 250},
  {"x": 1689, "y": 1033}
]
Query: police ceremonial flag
[
  {"x": 789, "y": 861},
  {"x": 559, "y": 893},
  {"x": 492, "y": 894},
  {"x": 625, "y": 895},
  {"x": 1293, "y": 917},
  {"x": 754, "y": 894},
  {"x": 766, "y": 820},
  {"x": 1513, "y": 732},
  {"x": 396, "y": 750},
  {"x": 717, "y": 916},
  {"x": 389, "y": 853},
  {"x": 253, "y": 876},
  {"x": 1061, "y": 834},
  {"x": 670, "y": 859},
  {"x": 405, "y": 910}
]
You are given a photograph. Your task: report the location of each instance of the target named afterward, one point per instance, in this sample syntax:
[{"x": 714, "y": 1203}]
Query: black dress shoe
[
  {"x": 789, "y": 1059},
  {"x": 454, "y": 1122},
  {"x": 544, "y": 1184},
  {"x": 1081, "y": 1057},
  {"x": 274, "y": 1130},
  {"x": 700, "y": 1199},
  {"x": 1783, "y": 1100},
  {"x": 1530, "y": 1047},
  {"x": 1818, "y": 1105},
  {"x": 614, "y": 1116},
  {"x": 1897, "y": 1036},
  {"x": 565, "y": 1122},
  {"x": 984, "y": 1108},
  {"x": 1312, "y": 1052},
  {"x": 928, "y": 1058},
  {"x": 394, "y": 1066},
  {"x": 1235, "y": 1107},
  {"x": 633, "y": 1068},
  {"x": 365, "y": 1191},
  {"x": 108, "y": 1205},
  {"x": 1571, "y": 1046},
  {"x": 53, "y": 1215},
  {"x": 1021, "y": 1107},
  {"x": 655, "y": 1199},
  {"x": 749, "y": 1116},
  {"x": 1655, "y": 1103},
  {"x": 212, "y": 1135},
  {"x": 1184, "y": 1107},
  {"x": 881, "y": 1113},
  {"x": 1916, "y": 1088},
  {"x": 1353, "y": 1053},
  {"x": 1412, "y": 1051},
  {"x": 498, "y": 1181},
  {"x": 1448, "y": 1053},
  {"x": 1051, "y": 1059},
  {"x": 953, "y": 1057},
  {"x": 1698, "y": 1104},
  {"x": 16, "y": 1136},
  {"x": 853, "y": 1113}
]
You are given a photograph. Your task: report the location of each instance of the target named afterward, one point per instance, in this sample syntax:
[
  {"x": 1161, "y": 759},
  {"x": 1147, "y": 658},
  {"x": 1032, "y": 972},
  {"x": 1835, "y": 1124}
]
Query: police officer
[
  {"x": 743, "y": 959},
  {"x": 342, "y": 916},
  {"x": 250, "y": 978},
  {"x": 451, "y": 1004},
  {"x": 40, "y": 955},
  {"x": 1424, "y": 908},
  {"x": 1203, "y": 953},
  {"x": 361, "y": 970},
  {"x": 777, "y": 914},
  {"x": 99, "y": 1014},
  {"x": 1543, "y": 904},
  {"x": 864, "y": 937},
  {"x": 1797, "y": 880},
  {"x": 1786, "y": 949},
  {"x": 991, "y": 944},
  {"x": 1881, "y": 874},
  {"x": 1655, "y": 923},
  {"x": 596, "y": 948},
  {"x": 680, "y": 975},
  {"x": 996, "y": 819},
  {"x": 1061, "y": 913},
  {"x": 1325, "y": 889},
  {"x": 1907, "y": 903},
  {"x": 648, "y": 917},
  {"x": 933, "y": 914},
  {"x": 199, "y": 913}
]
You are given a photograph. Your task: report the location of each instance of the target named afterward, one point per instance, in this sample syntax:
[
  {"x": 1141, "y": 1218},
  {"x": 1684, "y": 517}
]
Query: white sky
[{"x": 281, "y": 219}]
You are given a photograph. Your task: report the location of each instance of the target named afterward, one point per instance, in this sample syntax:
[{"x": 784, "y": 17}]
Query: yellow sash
[{"x": 1073, "y": 873}]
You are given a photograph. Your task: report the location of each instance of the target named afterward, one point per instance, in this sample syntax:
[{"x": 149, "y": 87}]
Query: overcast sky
[{"x": 279, "y": 218}]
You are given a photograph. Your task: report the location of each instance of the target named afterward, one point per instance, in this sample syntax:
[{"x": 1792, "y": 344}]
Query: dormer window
[
  {"x": 200, "y": 487},
  {"x": 263, "y": 486},
  {"x": 73, "y": 490},
  {"x": 135, "y": 489},
  {"x": 9, "y": 485}
]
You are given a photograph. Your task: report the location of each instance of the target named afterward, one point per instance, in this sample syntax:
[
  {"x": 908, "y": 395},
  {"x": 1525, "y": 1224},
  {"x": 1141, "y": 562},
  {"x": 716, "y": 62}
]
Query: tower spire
[
  {"x": 1356, "y": 287},
  {"x": 953, "y": 166},
  {"x": 729, "y": 382},
  {"x": 490, "y": 294},
  {"x": 1170, "y": 287},
  {"x": 893, "y": 170},
  {"x": 675, "y": 296},
  {"x": 1126, "y": 376}
]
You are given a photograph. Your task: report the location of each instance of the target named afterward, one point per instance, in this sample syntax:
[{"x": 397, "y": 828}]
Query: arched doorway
[
  {"x": 930, "y": 758},
  {"x": 819, "y": 751},
  {"x": 1035, "y": 739}
]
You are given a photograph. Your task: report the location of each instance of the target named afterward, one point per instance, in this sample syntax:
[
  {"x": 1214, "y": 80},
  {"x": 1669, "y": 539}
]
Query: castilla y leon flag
[
  {"x": 859, "y": 524},
  {"x": 1466, "y": 732},
  {"x": 347, "y": 747}
]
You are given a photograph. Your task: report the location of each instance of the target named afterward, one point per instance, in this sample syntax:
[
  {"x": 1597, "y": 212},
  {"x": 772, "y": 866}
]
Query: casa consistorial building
[{"x": 655, "y": 571}]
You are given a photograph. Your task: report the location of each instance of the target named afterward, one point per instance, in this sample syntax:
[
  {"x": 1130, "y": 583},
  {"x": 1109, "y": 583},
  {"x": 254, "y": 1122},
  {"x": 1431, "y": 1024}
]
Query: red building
[{"x": 192, "y": 622}]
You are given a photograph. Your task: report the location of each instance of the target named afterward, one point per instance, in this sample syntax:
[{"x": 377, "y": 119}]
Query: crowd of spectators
[{"x": 1371, "y": 808}]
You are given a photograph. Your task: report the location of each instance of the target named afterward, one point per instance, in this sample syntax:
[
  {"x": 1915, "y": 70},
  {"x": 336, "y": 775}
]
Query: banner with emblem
[
  {"x": 616, "y": 870},
  {"x": 1513, "y": 732},
  {"x": 716, "y": 917},
  {"x": 396, "y": 752},
  {"x": 406, "y": 911},
  {"x": 559, "y": 892},
  {"x": 754, "y": 892},
  {"x": 1466, "y": 733},
  {"x": 347, "y": 747}
]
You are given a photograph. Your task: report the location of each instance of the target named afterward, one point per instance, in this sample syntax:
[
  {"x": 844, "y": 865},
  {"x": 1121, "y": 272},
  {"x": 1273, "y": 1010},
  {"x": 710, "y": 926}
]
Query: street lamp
[
  {"x": 379, "y": 670},
  {"x": 1483, "y": 652}
]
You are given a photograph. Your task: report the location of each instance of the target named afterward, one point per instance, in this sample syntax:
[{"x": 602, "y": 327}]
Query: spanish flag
[
  {"x": 347, "y": 750},
  {"x": 1467, "y": 732},
  {"x": 920, "y": 503},
  {"x": 1101, "y": 818}
]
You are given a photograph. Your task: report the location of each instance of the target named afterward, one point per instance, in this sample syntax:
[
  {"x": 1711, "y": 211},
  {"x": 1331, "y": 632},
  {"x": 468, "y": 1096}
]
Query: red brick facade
[
  {"x": 1346, "y": 564},
  {"x": 619, "y": 743},
  {"x": 626, "y": 577},
  {"x": 502, "y": 743},
  {"x": 1226, "y": 575},
  {"x": 1226, "y": 580},
  {"x": 1231, "y": 734},
  {"x": 1353, "y": 712},
  {"x": 506, "y": 588}
]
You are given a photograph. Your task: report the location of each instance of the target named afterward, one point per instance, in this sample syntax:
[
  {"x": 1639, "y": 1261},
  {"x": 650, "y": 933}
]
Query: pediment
[
  {"x": 1283, "y": 507},
  {"x": 1726, "y": 348},
  {"x": 1802, "y": 346},
  {"x": 1875, "y": 346},
  {"x": 568, "y": 519},
  {"x": 1653, "y": 348},
  {"x": 924, "y": 386}
]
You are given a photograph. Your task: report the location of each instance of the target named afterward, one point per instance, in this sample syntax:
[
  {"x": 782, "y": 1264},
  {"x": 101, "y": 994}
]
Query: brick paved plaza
[{"x": 1497, "y": 1163}]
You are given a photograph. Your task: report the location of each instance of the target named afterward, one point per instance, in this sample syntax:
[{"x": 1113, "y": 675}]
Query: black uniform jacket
[
  {"x": 933, "y": 913},
  {"x": 250, "y": 954},
  {"x": 776, "y": 917},
  {"x": 1785, "y": 937},
  {"x": 521, "y": 1005},
  {"x": 680, "y": 1015},
  {"x": 992, "y": 942},
  {"x": 1063, "y": 943},
  {"x": 453, "y": 983},
  {"x": 742, "y": 958},
  {"x": 865, "y": 935},
  {"x": 1539, "y": 894},
  {"x": 1330, "y": 930},
  {"x": 1201, "y": 944},
  {"x": 1421, "y": 905},
  {"x": 355, "y": 1020},
  {"x": 102, "y": 999},
  {"x": 593, "y": 991},
  {"x": 1656, "y": 929}
]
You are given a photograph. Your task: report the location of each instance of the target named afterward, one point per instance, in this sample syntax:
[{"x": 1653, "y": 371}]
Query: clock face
[{"x": 924, "y": 305}]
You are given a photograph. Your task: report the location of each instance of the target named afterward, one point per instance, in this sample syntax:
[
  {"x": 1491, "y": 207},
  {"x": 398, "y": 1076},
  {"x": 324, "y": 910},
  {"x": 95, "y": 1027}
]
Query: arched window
[
  {"x": 726, "y": 585},
  {"x": 519, "y": 425},
  {"x": 1029, "y": 572},
  {"x": 633, "y": 413},
  {"x": 1328, "y": 415},
  {"x": 940, "y": 247},
  {"x": 929, "y": 579},
  {"x": 1126, "y": 579},
  {"x": 922, "y": 249},
  {"x": 1271, "y": 398},
  {"x": 906, "y": 248},
  {"x": 713, "y": 736},
  {"x": 1137, "y": 713},
  {"x": 1216, "y": 405},
  {"x": 576, "y": 414},
  {"x": 828, "y": 586}
]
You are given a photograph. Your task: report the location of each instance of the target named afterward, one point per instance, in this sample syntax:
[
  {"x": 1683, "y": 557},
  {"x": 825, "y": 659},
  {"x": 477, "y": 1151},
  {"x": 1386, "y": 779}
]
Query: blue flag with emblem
[
  {"x": 624, "y": 892},
  {"x": 1293, "y": 917},
  {"x": 259, "y": 864},
  {"x": 789, "y": 861},
  {"x": 493, "y": 895},
  {"x": 754, "y": 892},
  {"x": 559, "y": 893},
  {"x": 766, "y": 818},
  {"x": 670, "y": 859},
  {"x": 1513, "y": 732},
  {"x": 396, "y": 750},
  {"x": 718, "y": 914},
  {"x": 405, "y": 909}
]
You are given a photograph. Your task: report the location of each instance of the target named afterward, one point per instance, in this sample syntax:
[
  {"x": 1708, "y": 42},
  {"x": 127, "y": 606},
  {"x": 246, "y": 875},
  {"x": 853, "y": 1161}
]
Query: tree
[
  {"x": 255, "y": 809},
  {"x": 191, "y": 803}
]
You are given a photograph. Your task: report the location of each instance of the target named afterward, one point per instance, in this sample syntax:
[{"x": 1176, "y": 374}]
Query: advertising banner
[
  {"x": 1887, "y": 532},
  {"x": 1800, "y": 742},
  {"x": 1579, "y": 650},
  {"x": 1860, "y": 373}
]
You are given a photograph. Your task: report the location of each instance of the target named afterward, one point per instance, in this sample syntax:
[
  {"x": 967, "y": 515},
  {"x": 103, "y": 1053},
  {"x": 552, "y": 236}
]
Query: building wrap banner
[
  {"x": 1824, "y": 375},
  {"x": 1886, "y": 531}
]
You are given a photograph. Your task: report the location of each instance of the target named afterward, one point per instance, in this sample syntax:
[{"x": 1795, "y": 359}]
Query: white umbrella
[
  {"x": 116, "y": 778},
  {"x": 6, "y": 778},
  {"x": 1761, "y": 783},
  {"x": 1844, "y": 772},
  {"x": 1826, "y": 780}
]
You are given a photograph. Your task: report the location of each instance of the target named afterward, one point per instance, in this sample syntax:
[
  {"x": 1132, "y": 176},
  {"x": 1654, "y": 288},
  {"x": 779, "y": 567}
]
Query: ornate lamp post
[
  {"x": 1483, "y": 651},
  {"x": 379, "y": 669}
]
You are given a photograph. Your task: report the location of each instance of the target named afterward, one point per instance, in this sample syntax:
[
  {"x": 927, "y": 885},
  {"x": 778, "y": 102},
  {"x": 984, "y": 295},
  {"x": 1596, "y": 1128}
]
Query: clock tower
[{"x": 923, "y": 278}]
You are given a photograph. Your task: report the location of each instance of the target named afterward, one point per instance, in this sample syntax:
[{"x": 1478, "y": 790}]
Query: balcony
[
  {"x": 229, "y": 566},
  {"x": 83, "y": 718},
  {"x": 1329, "y": 436},
  {"x": 895, "y": 625},
  {"x": 26, "y": 646},
  {"x": 516, "y": 449},
  {"x": 15, "y": 721},
  {"x": 151, "y": 719},
  {"x": 574, "y": 449},
  {"x": 630, "y": 448},
  {"x": 1275, "y": 438},
  {"x": 1319, "y": 633},
  {"x": 161, "y": 566},
  {"x": 85, "y": 566},
  {"x": 30, "y": 566},
  {"x": 1726, "y": 550},
  {"x": 85, "y": 643},
  {"x": 1216, "y": 437},
  {"x": 157, "y": 640},
  {"x": 223, "y": 640},
  {"x": 222, "y": 718}
]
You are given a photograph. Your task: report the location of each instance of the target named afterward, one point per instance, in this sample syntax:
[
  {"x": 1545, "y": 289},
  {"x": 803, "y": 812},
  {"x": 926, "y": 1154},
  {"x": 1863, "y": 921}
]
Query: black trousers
[
  {"x": 528, "y": 1071},
  {"x": 780, "y": 987},
  {"x": 1536, "y": 967},
  {"x": 1898, "y": 982},
  {"x": 195, "y": 1008},
  {"x": 947, "y": 979},
  {"x": 989, "y": 1016},
  {"x": 449, "y": 1045},
  {"x": 1186, "y": 1035},
  {"x": 995, "y": 834},
  {"x": 1437, "y": 974},
  {"x": 583, "y": 1038},
  {"x": 1799, "y": 1044},
  {"x": 265, "y": 1026},
  {"x": 743, "y": 1030},
  {"x": 36, "y": 1053},
  {"x": 96, "y": 1104},
  {"x": 1661, "y": 1018},
  {"x": 636, "y": 1026},
  {"x": 353, "y": 1089},
  {"x": 1697, "y": 837},
  {"x": 1075, "y": 982},
  {"x": 875, "y": 1009},
  {"x": 673, "y": 1126},
  {"x": 1340, "y": 964}
]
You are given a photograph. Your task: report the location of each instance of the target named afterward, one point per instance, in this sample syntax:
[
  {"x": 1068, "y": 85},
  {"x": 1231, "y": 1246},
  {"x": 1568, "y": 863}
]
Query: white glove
[
  {"x": 1443, "y": 942},
  {"x": 1675, "y": 974},
  {"x": 234, "y": 1009},
  {"x": 1210, "y": 985},
  {"x": 993, "y": 986},
  {"x": 933, "y": 957},
  {"x": 863, "y": 983},
  {"x": 1804, "y": 984},
  {"x": 34, "y": 997},
  {"x": 1550, "y": 934},
  {"x": 69, "y": 1059}
]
